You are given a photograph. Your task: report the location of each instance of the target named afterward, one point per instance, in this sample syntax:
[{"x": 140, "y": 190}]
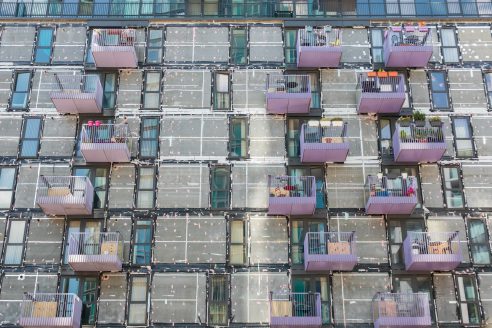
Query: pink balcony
[
  {"x": 380, "y": 93},
  {"x": 407, "y": 46},
  {"x": 291, "y": 195},
  {"x": 431, "y": 251},
  {"x": 295, "y": 310},
  {"x": 69, "y": 195},
  {"x": 50, "y": 310},
  {"x": 324, "y": 141},
  {"x": 319, "y": 47},
  {"x": 114, "y": 48},
  {"x": 76, "y": 94},
  {"x": 105, "y": 143},
  {"x": 99, "y": 251},
  {"x": 413, "y": 144},
  {"x": 287, "y": 94},
  {"x": 391, "y": 196},
  {"x": 327, "y": 251},
  {"x": 401, "y": 310}
]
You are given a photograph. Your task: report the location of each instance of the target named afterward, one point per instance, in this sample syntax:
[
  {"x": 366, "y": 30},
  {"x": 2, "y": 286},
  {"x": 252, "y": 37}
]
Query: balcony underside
[
  {"x": 316, "y": 56},
  {"x": 326, "y": 262},
  {"x": 295, "y": 322},
  {"x": 324, "y": 152},
  {"x": 414, "y": 152},
  {"x": 83, "y": 103},
  {"x": 379, "y": 103},
  {"x": 67, "y": 206},
  {"x": 287, "y": 103},
  {"x": 390, "y": 205},
  {"x": 432, "y": 262},
  {"x": 114, "y": 56},
  {"x": 105, "y": 152},
  {"x": 291, "y": 205},
  {"x": 57, "y": 322},
  {"x": 408, "y": 56},
  {"x": 408, "y": 322},
  {"x": 99, "y": 263}
]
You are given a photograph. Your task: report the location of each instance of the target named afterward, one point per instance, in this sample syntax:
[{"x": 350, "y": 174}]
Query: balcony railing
[
  {"x": 319, "y": 47},
  {"x": 391, "y": 195},
  {"x": 76, "y": 94},
  {"x": 114, "y": 48},
  {"x": 288, "y": 93},
  {"x": 105, "y": 143},
  {"x": 291, "y": 195},
  {"x": 99, "y": 251},
  {"x": 414, "y": 144},
  {"x": 381, "y": 92},
  {"x": 65, "y": 195},
  {"x": 408, "y": 46},
  {"x": 432, "y": 251},
  {"x": 401, "y": 310},
  {"x": 50, "y": 310},
  {"x": 324, "y": 141},
  {"x": 325, "y": 251},
  {"x": 295, "y": 309}
]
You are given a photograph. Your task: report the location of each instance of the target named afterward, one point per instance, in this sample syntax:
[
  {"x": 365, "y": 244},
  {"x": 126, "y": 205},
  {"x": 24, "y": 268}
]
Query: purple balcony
[
  {"x": 407, "y": 46},
  {"x": 76, "y": 94},
  {"x": 319, "y": 47},
  {"x": 295, "y": 310},
  {"x": 291, "y": 195},
  {"x": 327, "y": 251},
  {"x": 105, "y": 143},
  {"x": 413, "y": 144},
  {"x": 391, "y": 196},
  {"x": 288, "y": 94},
  {"x": 401, "y": 310},
  {"x": 50, "y": 310},
  {"x": 114, "y": 48},
  {"x": 99, "y": 251},
  {"x": 380, "y": 93},
  {"x": 324, "y": 141},
  {"x": 69, "y": 195},
  {"x": 430, "y": 251}
]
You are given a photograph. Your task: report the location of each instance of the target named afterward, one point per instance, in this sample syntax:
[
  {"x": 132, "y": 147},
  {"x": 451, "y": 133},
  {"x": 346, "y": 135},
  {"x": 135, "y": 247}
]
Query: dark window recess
[
  {"x": 109, "y": 90},
  {"x": 146, "y": 187},
  {"x": 149, "y": 137},
  {"x": 7, "y": 180},
  {"x": 463, "y": 137},
  {"x": 14, "y": 246},
  {"x": 44, "y": 45},
  {"x": 239, "y": 46},
  {"x": 439, "y": 90},
  {"x": 86, "y": 289},
  {"x": 142, "y": 242},
  {"x": 155, "y": 44},
  {"x": 99, "y": 177},
  {"x": 398, "y": 230},
  {"x": 469, "y": 303},
  {"x": 377, "y": 45},
  {"x": 299, "y": 228},
  {"x": 137, "y": 301},
  {"x": 238, "y": 137},
  {"x": 238, "y": 247},
  {"x": 31, "y": 135},
  {"x": 449, "y": 46},
  {"x": 218, "y": 298},
  {"x": 20, "y": 93},
  {"x": 222, "y": 98},
  {"x": 478, "y": 239},
  {"x": 151, "y": 92},
  {"x": 220, "y": 185},
  {"x": 453, "y": 187},
  {"x": 290, "y": 50}
]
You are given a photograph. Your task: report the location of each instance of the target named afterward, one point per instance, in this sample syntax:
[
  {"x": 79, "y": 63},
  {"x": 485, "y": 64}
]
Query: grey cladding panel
[
  {"x": 445, "y": 298},
  {"x": 122, "y": 186},
  {"x": 17, "y": 43},
  {"x": 187, "y": 89},
  {"x": 5, "y": 88},
  {"x": 112, "y": 299},
  {"x": 10, "y": 129},
  {"x": 448, "y": 224},
  {"x": 430, "y": 183},
  {"x": 70, "y": 44},
  {"x": 58, "y": 136},
  {"x": 338, "y": 88},
  {"x": 483, "y": 137},
  {"x": 267, "y": 137},
  {"x": 249, "y": 87},
  {"x": 420, "y": 89},
  {"x": 123, "y": 225},
  {"x": 475, "y": 43},
  {"x": 269, "y": 240},
  {"x": 130, "y": 89},
  {"x": 45, "y": 241},
  {"x": 477, "y": 181},
  {"x": 356, "y": 47},
  {"x": 265, "y": 44},
  {"x": 466, "y": 90}
]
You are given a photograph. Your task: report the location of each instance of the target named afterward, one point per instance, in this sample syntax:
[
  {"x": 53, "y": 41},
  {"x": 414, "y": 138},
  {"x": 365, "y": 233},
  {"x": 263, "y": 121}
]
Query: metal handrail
[
  {"x": 417, "y": 134},
  {"x": 409, "y": 36},
  {"x": 391, "y": 187},
  {"x": 317, "y": 242},
  {"x": 105, "y": 133},
  {"x": 58, "y": 188},
  {"x": 49, "y": 305},
  {"x": 434, "y": 242},
  {"x": 75, "y": 83},
  {"x": 113, "y": 37},
  {"x": 334, "y": 132},
  {"x": 320, "y": 37},
  {"x": 378, "y": 84},
  {"x": 400, "y": 305},
  {"x": 288, "y": 83},
  {"x": 296, "y": 304},
  {"x": 292, "y": 186},
  {"x": 95, "y": 243}
]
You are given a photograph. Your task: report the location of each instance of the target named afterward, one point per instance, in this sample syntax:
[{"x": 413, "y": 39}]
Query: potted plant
[
  {"x": 435, "y": 121},
  {"x": 405, "y": 121},
  {"x": 403, "y": 135},
  {"x": 419, "y": 118},
  {"x": 337, "y": 121}
]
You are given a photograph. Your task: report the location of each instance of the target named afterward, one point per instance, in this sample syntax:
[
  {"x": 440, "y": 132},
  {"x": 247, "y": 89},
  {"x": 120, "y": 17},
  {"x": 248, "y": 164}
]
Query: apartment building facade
[{"x": 245, "y": 164}]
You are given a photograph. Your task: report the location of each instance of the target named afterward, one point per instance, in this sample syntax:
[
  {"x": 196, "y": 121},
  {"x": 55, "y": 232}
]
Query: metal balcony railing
[
  {"x": 99, "y": 251},
  {"x": 333, "y": 250},
  {"x": 418, "y": 144},
  {"x": 408, "y": 46},
  {"x": 113, "y": 37},
  {"x": 291, "y": 195},
  {"x": 410, "y": 36},
  {"x": 295, "y": 309},
  {"x": 277, "y": 83},
  {"x": 319, "y": 37},
  {"x": 114, "y": 48},
  {"x": 50, "y": 310},
  {"x": 324, "y": 141},
  {"x": 384, "y": 83},
  {"x": 325, "y": 132},
  {"x": 432, "y": 251},
  {"x": 401, "y": 309},
  {"x": 105, "y": 142},
  {"x": 416, "y": 134},
  {"x": 288, "y": 93},
  {"x": 319, "y": 47},
  {"x": 75, "y": 84},
  {"x": 381, "y": 92},
  {"x": 76, "y": 93},
  {"x": 391, "y": 195}
]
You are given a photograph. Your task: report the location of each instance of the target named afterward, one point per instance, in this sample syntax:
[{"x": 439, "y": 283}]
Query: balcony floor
[{"x": 99, "y": 263}]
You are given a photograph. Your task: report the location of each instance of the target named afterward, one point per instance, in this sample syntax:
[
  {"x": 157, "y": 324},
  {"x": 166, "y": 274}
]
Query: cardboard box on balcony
[
  {"x": 281, "y": 308},
  {"x": 339, "y": 248},
  {"x": 44, "y": 309}
]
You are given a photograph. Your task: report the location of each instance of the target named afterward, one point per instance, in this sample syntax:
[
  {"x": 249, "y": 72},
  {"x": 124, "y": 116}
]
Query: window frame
[
  {"x": 213, "y": 190},
  {"x": 471, "y": 138},
  {"x": 405, "y": 226},
  {"x": 289, "y": 50},
  {"x": 460, "y": 189},
  {"x": 155, "y": 48},
  {"x": 456, "y": 46},
  {"x": 112, "y": 93},
  {"x": 14, "y": 181},
  {"x": 143, "y": 139},
  {"x": 374, "y": 48},
  {"x": 24, "y": 138},
  {"x": 130, "y": 302},
  {"x": 21, "y": 244},
  {"x": 139, "y": 189},
  {"x": 475, "y": 302},
  {"x": 471, "y": 244},
  {"x": 37, "y": 47},
  {"x": 221, "y": 94},
  {"x": 233, "y": 49},
  {"x": 134, "y": 243},
  {"x": 488, "y": 88},
  {"x": 234, "y": 244},
  {"x": 14, "y": 91},
  {"x": 97, "y": 189},
  {"x": 305, "y": 225},
  {"x": 220, "y": 303},
  {"x": 233, "y": 140},
  {"x": 146, "y": 92},
  {"x": 93, "y": 302},
  {"x": 445, "y": 92}
]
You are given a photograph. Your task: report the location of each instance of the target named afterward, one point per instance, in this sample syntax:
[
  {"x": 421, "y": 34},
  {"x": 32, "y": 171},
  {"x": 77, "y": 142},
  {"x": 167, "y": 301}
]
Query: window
[
  {"x": 137, "y": 300},
  {"x": 463, "y": 137},
  {"x": 220, "y": 187},
  {"x": 299, "y": 228},
  {"x": 221, "y": 91},
  {"x": 109, "y": 90},
  {"x": 315, "y": 90},
  {"x": 86, "y": 289},
  {"x": 316, "y": 284},
  {"x": 293, "y": 133},
  {"x": 89, "y": 59},
  {"x": 90, "y": 227},
  {"x": 449, "y": 46},
  {"x": 453, "y": 188},
  {"x": 142, "y": 242},
  {"x": 154, "y": 46},
  {"x": 152, "y": 88},
  {"x": 238, "y": 249},
  {"x": 398, "y": 230},
  {"x": 145, "y": 187},
  {"x": 149, "y": 137},
  {"x": 218, "y": 297},
  {"x": 439, "y": 90},
  {"x": 239, "y": 46},
  {"x": 415, "y": 284},
  {"x": 14, "y": 248},
  {"x": 290, "y": 50},
  {"x": 488, "y": 87},
  {"x": 99, "y": 179},
  {"x": 44, "y": 43},
  {"x": 7, "y": 179},
  {"x": 377, "y": 45},
  {"x": 468, "y": 300},
  {"x": 20, "y": 94},
  {"x": 238, "y": 137},
  {"x": 479, "y": 241},
  {"x": 386, "y": 130},
  {"x": 31, "y": 133},
  {"x": 318, "y": 173}
]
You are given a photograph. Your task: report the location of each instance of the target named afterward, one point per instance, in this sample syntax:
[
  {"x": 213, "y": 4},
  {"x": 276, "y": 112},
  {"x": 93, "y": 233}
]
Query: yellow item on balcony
[
  {"x": 44, "y": 309},
  {"x": 439, "y": 247},
  {"x": 339, "y": 248},
  {"x": 281, "y": 308},
  {"x": 279, "y": 192},
  {"x": 109, "y": 248},
  {"x": 58, "y": 191}
]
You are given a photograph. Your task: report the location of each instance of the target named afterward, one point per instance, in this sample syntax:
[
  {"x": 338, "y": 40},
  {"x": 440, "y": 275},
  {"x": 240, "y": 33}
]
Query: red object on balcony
[
  {"x": 105, "y": 143},
  {"x": 380, "y": 94},
  {"x": 299, "y": 198},
  {"x": 391, "y": 196}
]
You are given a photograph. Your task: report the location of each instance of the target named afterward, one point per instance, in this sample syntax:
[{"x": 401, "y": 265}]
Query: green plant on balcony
[
  {"x": 405, "y": 121},
  {"x": 435, "y": 121},
  {"x": 403, "y": 135},
  {"x": 419, "y": 118}
]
